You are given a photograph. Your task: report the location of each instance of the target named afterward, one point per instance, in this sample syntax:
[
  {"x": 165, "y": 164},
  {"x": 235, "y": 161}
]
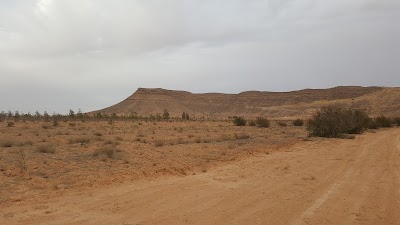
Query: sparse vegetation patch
[
  {"x": 50, "y": 149},
  {"x": 263, "y": 122},
  {"x": 239, "y": 121},
  {"x": 298, "y": 123},
  {"x": 335, "y": 121}
]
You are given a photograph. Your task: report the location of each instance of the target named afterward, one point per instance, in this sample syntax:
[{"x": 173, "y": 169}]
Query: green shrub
[
  {"x": 239, "y": 121},
  {"x": 372, "y": 124},
  {"x": 383, "y": 121},
  {"x": 262, "y": 122},
  {"x": 298, "y": 123},
  {"x": 357, "y": 121},
  {"x": 334, "y": 121}
]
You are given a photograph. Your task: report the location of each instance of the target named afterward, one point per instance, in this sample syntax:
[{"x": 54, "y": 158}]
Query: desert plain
[{"x": 195, "y": 172}]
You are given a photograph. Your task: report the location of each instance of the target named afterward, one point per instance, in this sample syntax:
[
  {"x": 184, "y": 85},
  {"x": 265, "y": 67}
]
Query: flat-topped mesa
[
  {"x": 302, "y": 103},
  {"x": 158, "y": 91}
]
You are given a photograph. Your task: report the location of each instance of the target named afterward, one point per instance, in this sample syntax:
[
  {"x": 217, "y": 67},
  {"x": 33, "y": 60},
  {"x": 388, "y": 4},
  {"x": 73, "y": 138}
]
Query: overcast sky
[{"x": 89, "y": 54}]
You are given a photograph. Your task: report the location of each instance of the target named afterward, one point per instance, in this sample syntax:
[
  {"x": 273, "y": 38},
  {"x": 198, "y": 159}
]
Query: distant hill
[{"x": 376, "y": 100}]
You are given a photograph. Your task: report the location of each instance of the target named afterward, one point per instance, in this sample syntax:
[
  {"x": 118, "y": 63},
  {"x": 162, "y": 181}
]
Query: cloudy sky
[{"x": 89, "y": 54}]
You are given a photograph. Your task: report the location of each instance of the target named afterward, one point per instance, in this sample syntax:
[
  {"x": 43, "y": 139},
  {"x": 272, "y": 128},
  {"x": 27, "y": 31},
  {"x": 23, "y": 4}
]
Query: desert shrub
[
  {"x": 181, "y": 141},
  {"x": 26, "y": 143},
  {"x": 50, "y": 149},
  {"x": 159, "y": 143},
  {"x": 241, "y": 136},
  {"x": 98, "y": 134},
  {"x": 334, "y": 121},
  {"x": 119, "y": 138},
  {"x": 207, "y": 140},
  {"x": 108, "y": 151},
  {"x": 225, "y": 137},
  {"x": 111, "y": 142},
  {"x": 140, "y": 134},
  {"x": 80, "y": 140},
  {"x": 239, "y": 121},
  {"x": 372, "y": 124},
  {"x": 298, "y": 123},
  {"x": 198, "y": 140},
  {"x": 396, "y": 121},
  {"x": 262, "y": 122},
  {"x": 21, "y": 162},
  {"x": 282, "y": 124},
  {"x": 383, "y": 121},
  {"x": 7, "y": 143},
  {"x": 252, "y": 123}
]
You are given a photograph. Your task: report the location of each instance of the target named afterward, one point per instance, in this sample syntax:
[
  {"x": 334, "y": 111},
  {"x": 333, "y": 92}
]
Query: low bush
[
  {"x": 298, "y": 123},
  {"x": 197, "y": 140},
  {"x": 262, "y": 122},
  {"x": 239, "y": 121},
  {"x": 241, "y": 136},
  {"x": 372, "y": 124},
  {"x": 159, "y": 143},
  {"x": 80, "y": 140},
  {"x": 98, "y": 134},
  {"x": 334, "y": 121},
  {"x": 396, "y": 121},
  {"x": 282, "y": 124},
  {"x": 6, "y": 143},
  {"x": 108, "y": 151},
  {"x": 49, "y": 149},
  {"x": 383, "y": 121},
  {"x": 112, "y": 142},
  {"x": 252, "y": 123}
]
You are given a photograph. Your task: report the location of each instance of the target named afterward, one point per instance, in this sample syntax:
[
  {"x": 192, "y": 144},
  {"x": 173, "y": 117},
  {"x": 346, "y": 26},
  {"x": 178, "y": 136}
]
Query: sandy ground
[
  {"x": 138, "y": 150},
  {"x": 316, "y": 182}
]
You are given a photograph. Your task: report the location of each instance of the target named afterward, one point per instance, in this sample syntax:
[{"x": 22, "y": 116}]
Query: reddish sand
[{"x": 327, "y": 181}]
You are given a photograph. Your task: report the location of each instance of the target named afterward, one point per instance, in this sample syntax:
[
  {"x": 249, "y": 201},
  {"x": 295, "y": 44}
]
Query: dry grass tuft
[
  {"x": 80, "y": 140},
  {"x": 7, "y": 143},
  {"x": 98, "y": 134},
  {"x": 159, "y": 143},
  {"x": 49, "y": 149},
  {"x": 108, "y": 151},
  {"x": 242, "y": 136}
]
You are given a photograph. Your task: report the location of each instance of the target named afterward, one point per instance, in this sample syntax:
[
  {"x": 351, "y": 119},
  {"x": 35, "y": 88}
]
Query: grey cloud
[{"x": 109, "y": 48}]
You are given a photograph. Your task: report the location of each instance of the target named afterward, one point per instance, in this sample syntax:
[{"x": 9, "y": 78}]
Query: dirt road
[{"x": 317, "y": 182}]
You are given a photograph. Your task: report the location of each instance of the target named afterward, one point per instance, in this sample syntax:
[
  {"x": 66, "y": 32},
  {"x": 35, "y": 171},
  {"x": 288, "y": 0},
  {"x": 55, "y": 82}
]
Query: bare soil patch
[{"x": 39, "y": 158}]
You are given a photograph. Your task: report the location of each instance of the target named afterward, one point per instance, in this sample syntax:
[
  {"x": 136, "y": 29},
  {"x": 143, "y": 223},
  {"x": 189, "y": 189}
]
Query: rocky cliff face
[{"x": 253, "y": 103}]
